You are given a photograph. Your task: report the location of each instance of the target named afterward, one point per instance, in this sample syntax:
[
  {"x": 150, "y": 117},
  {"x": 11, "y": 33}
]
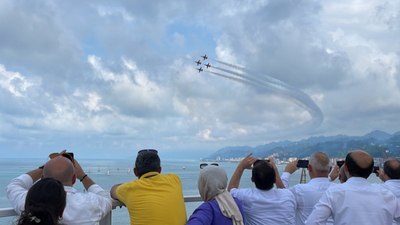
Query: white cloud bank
[{"x": 112, "y": 77}]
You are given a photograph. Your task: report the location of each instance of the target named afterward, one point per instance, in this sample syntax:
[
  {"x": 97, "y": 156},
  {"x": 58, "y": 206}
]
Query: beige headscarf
[{"x": 212, "y": 184}]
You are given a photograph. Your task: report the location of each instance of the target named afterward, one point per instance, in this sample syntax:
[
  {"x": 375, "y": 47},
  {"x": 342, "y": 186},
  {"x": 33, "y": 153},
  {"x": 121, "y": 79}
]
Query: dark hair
[
  {"x": 263, "y": 175},
  {"x": 392, "y": 168},
  {"x": 147, "y": 160},
  {"x": 44, "y": 203},
  {"x": 355, "y": 170}
]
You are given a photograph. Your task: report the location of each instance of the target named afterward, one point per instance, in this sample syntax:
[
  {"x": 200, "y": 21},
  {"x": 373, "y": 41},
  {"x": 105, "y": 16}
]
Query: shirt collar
[
  {"x": 149, "y": 174},
  {"x": 356, "y": 180},
  {"x": 319, "y": 180},
  {"x": 393, "y": 182},
  {"x": 70, "y": 189}
]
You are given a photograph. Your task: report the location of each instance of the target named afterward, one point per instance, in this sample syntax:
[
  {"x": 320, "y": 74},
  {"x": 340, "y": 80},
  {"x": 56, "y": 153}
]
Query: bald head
[
  {"x": 320, "y": 165},
  {"x": 392, "y": 168},
  {"x": 61, "y": 169},
  {"x": 359, "y": 163}
]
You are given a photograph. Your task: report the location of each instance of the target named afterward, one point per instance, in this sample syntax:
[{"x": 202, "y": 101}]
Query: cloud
[{"x": 120, "y": 75}]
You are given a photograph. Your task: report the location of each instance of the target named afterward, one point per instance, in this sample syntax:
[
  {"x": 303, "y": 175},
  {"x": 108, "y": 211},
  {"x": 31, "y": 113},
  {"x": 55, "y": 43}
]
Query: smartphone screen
[
  {"x": 302, "y": 163},
  {"x": 375, "y": 170},
  {"x": 340, "y": 163}
]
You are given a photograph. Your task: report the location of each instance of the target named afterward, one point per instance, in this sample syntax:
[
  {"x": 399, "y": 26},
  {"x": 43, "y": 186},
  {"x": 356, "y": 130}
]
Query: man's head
[
  {"x": 319, "y": 165},
  {"x": 61, "y": 169},
  {"x": 392, "y": 168},
  {"x": 147, "y": 160},
  {"x": 263, "y": 175},
  {"x": 359, "y": 164}
]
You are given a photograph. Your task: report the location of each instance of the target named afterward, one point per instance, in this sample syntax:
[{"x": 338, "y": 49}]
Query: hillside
[{"x": 377, "y": 143}]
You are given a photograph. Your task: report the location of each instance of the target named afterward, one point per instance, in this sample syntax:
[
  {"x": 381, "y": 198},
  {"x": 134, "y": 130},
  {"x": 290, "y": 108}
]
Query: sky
[{"x": 104, "y": 79}]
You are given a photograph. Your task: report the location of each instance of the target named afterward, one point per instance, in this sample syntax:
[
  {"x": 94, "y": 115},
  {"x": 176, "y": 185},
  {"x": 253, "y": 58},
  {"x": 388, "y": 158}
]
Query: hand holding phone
[
  {"x": 302, "y": 163},
  {"x": 340, "y": 163}
]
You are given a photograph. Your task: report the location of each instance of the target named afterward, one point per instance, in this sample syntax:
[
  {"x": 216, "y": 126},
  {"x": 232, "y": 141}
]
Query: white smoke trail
[{"x": 275, "y": 85}]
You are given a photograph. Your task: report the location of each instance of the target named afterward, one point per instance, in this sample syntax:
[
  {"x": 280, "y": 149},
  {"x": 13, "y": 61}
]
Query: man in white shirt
[
  {"x": 263, "y": 204},
  {"x": 391, "y": 176},
  {"x": 82, "y": 208},
  {"x": 307, "y": 195},
  {"x": 356, "y": 201}
]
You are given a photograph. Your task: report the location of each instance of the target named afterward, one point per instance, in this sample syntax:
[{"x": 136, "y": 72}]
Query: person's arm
[
  {"x": 246, "y": 163},
  {"x": 82, "y": 176},
  {"x": 382, "y": 175},
  {"x": 289, "y": 169},
  {"x": 19, "y": 186},
  {"x": 202, "y": 215},
  {"x": 334, "y": 173},
  {"x": 278, "y": 181},
  {"x": 321, "y": 213},
  {"x": 36, "y": 174},
  {"x": 113, "y": 191}
]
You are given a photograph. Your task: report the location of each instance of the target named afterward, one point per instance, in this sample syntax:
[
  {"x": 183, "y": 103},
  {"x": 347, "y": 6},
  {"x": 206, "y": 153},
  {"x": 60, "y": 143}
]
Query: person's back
[
  {"x": 219, "y": 207},
  {"x": 356, "y": 201},
  {"x": 83, "y": 208},
  {"x": 154, "y": 198},
  {"x": 369, "y": 203},
  {"x": 263, "y": 204},
  {"x": 274, "y": 206},
  {"x": 308, "y": 194}
]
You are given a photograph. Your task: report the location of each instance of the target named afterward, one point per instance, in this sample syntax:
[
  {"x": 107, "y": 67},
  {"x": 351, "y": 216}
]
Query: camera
[
  {"x": 340, "y": 163},
  {"x": 302, "y": 163}
]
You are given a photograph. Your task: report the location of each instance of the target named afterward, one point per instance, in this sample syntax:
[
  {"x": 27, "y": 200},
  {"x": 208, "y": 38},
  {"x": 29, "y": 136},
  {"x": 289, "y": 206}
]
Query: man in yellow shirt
[{"x": 154, "y": 198}]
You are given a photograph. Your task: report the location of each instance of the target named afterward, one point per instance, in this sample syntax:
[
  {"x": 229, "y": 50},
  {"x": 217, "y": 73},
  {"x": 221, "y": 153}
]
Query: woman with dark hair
[{"x": 44, "y": 203}]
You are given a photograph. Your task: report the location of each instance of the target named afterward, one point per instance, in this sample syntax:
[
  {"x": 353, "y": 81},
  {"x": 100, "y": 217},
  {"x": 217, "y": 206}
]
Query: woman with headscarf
[{"x": 219, "y": 207}]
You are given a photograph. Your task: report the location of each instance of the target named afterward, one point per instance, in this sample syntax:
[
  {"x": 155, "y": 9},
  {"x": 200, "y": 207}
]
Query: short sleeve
[{"x": 203, "y": 215}]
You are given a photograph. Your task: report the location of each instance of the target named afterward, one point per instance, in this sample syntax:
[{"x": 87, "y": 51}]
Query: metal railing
[{"x": 107, "y": 220}]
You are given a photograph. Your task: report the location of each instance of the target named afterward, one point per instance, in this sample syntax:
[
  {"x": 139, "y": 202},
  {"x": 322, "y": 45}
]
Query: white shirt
[
  {"x": 356, "y": 202},
  {"x": 81, "y": 209},
  {"x": 275, "y": 206},
  {"x": 394, "y": 186},
  {"x": 307, "y": 195}
]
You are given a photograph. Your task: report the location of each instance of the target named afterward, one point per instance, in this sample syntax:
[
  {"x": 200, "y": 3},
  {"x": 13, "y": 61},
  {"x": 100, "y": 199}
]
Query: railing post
[{"x": 107, "y": 219}]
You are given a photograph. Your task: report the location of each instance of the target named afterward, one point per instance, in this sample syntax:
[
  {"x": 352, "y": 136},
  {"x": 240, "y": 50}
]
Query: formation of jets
[{"x": 198, "y": 62}]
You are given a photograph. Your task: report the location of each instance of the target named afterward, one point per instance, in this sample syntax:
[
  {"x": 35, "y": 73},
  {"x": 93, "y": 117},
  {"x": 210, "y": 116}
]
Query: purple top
[{"x": 209, "y": 213}]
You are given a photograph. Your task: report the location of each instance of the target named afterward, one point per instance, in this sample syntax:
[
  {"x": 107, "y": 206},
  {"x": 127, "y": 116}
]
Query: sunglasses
[
  {"x": 202, "y": 165},
  {"x": 147, "y": 151},
  {"x": 68, "y": 155}
]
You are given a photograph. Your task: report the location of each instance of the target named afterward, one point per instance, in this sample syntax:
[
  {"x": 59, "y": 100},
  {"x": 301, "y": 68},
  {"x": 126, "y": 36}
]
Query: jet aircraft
[
  {"x": 204, "y": 57},
  {"x": 208, "y": 65},
  {"x": 200, "y": 69},
  {"x": 198, "y": 62}
]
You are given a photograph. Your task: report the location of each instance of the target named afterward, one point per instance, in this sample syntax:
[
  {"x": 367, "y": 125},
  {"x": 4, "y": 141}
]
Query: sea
[{"x": 107, "y": 172}]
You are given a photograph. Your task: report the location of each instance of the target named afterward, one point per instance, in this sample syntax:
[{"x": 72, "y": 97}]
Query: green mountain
[{"x": 378, "y": 143}]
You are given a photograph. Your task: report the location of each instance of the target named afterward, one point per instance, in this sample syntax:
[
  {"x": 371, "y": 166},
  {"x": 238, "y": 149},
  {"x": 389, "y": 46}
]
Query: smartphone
[
  {"x": 302, "y": 163},
  {"x": 340, "y": 163},
  {"x": 375, "y": 169}
]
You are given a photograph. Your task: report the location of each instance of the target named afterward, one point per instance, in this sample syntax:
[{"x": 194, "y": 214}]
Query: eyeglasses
[
  {"x": 147, "y": 150},
  {"x": 202, "y": 165},
  {"x": 68, "y": 155}
]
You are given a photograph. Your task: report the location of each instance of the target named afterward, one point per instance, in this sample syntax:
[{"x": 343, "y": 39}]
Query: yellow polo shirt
[{"x": 154, "y": 199}]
